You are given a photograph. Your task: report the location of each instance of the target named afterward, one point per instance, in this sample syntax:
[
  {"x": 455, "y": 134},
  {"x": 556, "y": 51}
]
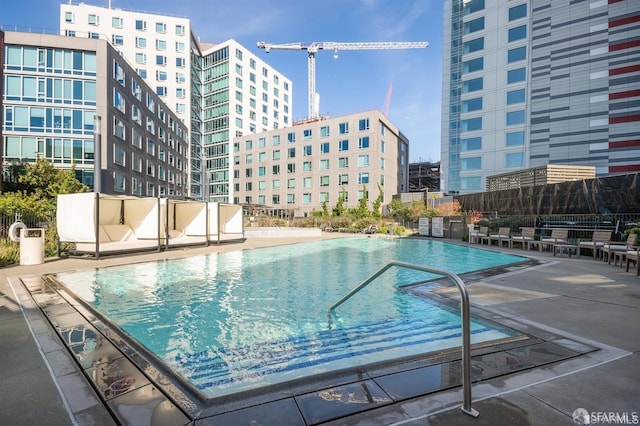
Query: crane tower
[{"x": 315, "y": 47}]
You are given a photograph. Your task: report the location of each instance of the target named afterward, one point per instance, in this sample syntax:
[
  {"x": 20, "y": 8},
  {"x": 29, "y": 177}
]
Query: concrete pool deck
[{"x": 578, "y": 297}]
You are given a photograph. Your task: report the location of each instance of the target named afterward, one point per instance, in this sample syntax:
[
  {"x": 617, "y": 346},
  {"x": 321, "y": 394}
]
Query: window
[
  {"x": 515, "y": 96},
  {"x": 306, "y": 198},
  {"x": 473, "y": 6},
  {"x": 306, "y": 166},
  {"x": 161, "y": 27},
  {"x": 473, "y": 45},
  {"x": 181, "y": 62},
  {"x": 363, "y": 124},
  {"x": 291, "y": 168},
  {"x": 94, "y": 19},
  {"x": 471, "y": 124},
  {"x": 343, "y": 145},
  {"x": 141, "y": 25},
  {"x": 517, "y": 33},
  {"x": 363, "y": 142},
  {"x": 363, "y": 178},
  {"x": 517, "y": 54},
  {"x": 141, "y": 58},
  {"x": 363, "y": 160},
  {"x": 276, "y": 155},
  {"x": 275, "y": 184},
  {"x": 343, "y": 128},
  {"x": 291, "y": 153},
  {"x": 306, "y": 150},
  {"x": 517, "y": 12},
  {"x": 291, "y": 137},
  {"x": 343, "y": 162},
  {"x": 181, "y": 77},
  {"x": 307, "y": 134},
  {"x": 515, "y": 159},
  {"x": 473, "y": 26},
  {"x": 324, "y": 165},
  {"x": 275, "y": 169},
  {"x": 324, "y": 180},
  {"x": 306, "y": 182},
  {"x": 473, "y": 65},
  {"x": 161, "y": 45},
  {"x": 161, "y": 60},
  {"x": 474, "y": 104},
  {"x": 324, "y": 131},
  {"x": 514, "y": 76},
  {"x": 119, "y": 101},
  {"x": 180, "y": 47},
  {"x": 515, "y": 117},
  {"x": 472, "y": 163},
  {"x": 118, "y": 128},
  {"x": 291, "y": 198},
  {"x": 141, "y": 42},
  {"x": 69, "y": 18},
  {"x": 343, "y": 179},
  {"x": 161, "y": 75},
  {"x": 275, "y": 140},
  {"x": 472, "y": 85},
  {"x": 117, "y": 40},
  {"x": 324, "y": 148},
  {"x": 515, "y": 138},
  {"x": 470, "y": 183},
  {"x": 471, "y": 144}
]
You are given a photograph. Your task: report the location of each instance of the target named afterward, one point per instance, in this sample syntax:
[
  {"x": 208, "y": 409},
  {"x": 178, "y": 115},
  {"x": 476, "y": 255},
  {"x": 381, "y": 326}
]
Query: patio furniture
[
  {"x": 565, "y": 248},
  {"x": 483, "y": 234},
  {"x": 558, "y": 236},
  {"x": 632, "y": 257},
  {"x": 614, "y": 252},
  {"x": 503, "y": 236},
  {"x": 599, "y": 239},
  {"x": 528, "y": 235}
]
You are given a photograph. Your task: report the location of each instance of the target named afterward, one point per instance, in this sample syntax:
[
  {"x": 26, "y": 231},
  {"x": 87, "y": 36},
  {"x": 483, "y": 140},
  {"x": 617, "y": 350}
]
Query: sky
[{"x": 358, "y": 80}]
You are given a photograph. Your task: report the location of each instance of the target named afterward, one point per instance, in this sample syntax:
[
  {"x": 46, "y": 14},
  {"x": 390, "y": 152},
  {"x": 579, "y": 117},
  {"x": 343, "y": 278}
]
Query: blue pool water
[{"x": 244, "y": 319}]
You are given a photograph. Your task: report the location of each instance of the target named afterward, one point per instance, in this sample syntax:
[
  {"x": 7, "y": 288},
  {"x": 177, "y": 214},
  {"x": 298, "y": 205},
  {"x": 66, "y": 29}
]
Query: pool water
[{"x": 240, "y": 320}]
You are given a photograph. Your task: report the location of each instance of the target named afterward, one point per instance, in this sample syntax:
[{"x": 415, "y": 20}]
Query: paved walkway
[{"x": 578, "y": 297}]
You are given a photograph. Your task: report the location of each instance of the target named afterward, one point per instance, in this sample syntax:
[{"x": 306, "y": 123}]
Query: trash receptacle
[{"x": 31, "y": 246}]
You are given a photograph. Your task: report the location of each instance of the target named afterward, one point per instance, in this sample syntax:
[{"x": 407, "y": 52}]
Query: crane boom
[{"x": 314, "y": 47}]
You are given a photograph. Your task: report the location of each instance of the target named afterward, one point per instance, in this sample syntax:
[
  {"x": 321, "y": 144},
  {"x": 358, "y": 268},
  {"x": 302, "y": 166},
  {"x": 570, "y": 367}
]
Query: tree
[
  {"x": 452, "y": 208},
  {"x": 416, "y": 209},
  {"x": 397, "y": 209},
  {"x": 42, "y": 180},
  {"x": 362, "y": 210},
  {"x": 325, "y": 210},
  {"x": 377, "y": 213},
  {"x": 338, "y": 210}
]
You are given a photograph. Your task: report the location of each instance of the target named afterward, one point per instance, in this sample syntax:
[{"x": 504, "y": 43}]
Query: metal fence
[{"x": 32, "y": 221}]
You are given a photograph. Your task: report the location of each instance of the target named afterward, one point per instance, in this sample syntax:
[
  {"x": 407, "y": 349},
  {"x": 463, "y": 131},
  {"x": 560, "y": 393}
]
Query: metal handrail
[{"x": 466, "y": 328}]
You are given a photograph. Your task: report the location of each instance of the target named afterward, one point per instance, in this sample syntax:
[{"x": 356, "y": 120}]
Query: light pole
[{"x": 97, "y": 154}]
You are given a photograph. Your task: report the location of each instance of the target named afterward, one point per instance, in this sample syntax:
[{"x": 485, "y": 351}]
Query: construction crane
[{"x": 315, "y": 47}]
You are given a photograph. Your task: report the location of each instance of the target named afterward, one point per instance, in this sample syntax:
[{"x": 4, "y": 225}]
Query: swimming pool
[{"x": 241, "y": 320}]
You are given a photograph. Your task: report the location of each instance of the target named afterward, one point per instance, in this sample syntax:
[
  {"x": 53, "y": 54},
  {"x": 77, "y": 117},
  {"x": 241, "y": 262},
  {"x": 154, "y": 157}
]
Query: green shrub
[{"x": 9, "y": 253}]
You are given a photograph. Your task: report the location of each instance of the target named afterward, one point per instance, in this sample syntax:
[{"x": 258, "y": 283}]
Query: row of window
[
  {"x": 307, "y": 182},
  {"x": 513, "y": 159},
  {"x": 120, "y": 185},
  {"x": 160, "y": 172},
  {"x": 515, "y": 12},
  {"x": 471, "y": 124},
  {"x": 252, "y": 65},
  {"x": 48, "y": 120},
  {"x": 68, "y": 91},
  {"x": 323, "y": 197},
  {"x": 50, "y": 60},
  {"x": 56, "y": 150},
  {"x": 364, "y": 142},
  {"x": 277, "y": 169},
  {"x": 119, "y": 23},
  {"x": 475, "y": 143}
]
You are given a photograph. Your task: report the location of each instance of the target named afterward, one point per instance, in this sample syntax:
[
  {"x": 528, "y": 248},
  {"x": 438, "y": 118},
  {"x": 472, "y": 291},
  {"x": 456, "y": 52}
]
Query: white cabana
[{"x": 100, "y": 223}]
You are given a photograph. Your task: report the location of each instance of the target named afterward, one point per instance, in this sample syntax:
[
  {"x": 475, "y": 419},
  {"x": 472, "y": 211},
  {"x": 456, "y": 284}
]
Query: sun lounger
[
  {"x": 483, "y": 234},
  {"x": 528, "y": 235},
  {"x": 558, "y": 236},
  {"x": 503, "y": 236},
  {"x": 599, "y": 239},
  {"x": 611, "y": 251}
]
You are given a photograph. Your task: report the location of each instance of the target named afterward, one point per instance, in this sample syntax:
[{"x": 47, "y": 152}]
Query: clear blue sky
[{"x": 356, "y": 81}]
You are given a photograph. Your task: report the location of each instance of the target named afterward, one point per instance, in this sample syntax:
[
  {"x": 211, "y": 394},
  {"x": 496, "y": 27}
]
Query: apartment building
[
  {"x": 219, "y": 90},
  {"x": 302, "y": 167},
  {"x": 54, "y": 89},
  {"x": 528, "y": 83}
]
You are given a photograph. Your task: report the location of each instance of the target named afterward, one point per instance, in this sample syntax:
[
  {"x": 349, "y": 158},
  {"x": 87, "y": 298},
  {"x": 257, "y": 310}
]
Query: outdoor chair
[
  {"x": 599, "y": 239},
  {"x": 528, "y": 235},
  {"x": 611, "y": 251},
  {"x": 483, "y": 234},
  {"x": 503, "y": 236},
  {"x": 558, "y": 236},
  {"x": 632, "y": 257}
]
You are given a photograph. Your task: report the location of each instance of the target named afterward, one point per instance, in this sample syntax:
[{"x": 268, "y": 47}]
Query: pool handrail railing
[{"x": 466, "y": 321}]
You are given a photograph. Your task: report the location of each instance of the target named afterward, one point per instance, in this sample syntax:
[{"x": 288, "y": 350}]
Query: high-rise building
[
  {"x": 218, "y": 90},
  {"x": 528, "y": 83},
  {"x": 314, "y": 163},
  {"x": 55, "y": 88}
]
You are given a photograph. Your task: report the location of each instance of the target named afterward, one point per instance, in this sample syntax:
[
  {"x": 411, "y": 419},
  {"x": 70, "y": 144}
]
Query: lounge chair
[
  {"x": 528, "y": 235},
  {"x": 611, "y": 251},
  {"x": 599, "y": 239},
  {"x": 632, "y": 257},
  {"x": 558, "y": 236},
  {"x": 503, "y": 236},
  {"x": 483, "y": 234}
]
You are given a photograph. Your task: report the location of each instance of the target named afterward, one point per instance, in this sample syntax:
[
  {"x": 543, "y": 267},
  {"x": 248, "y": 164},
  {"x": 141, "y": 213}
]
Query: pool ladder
[{"x": 466, "y": 328}]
